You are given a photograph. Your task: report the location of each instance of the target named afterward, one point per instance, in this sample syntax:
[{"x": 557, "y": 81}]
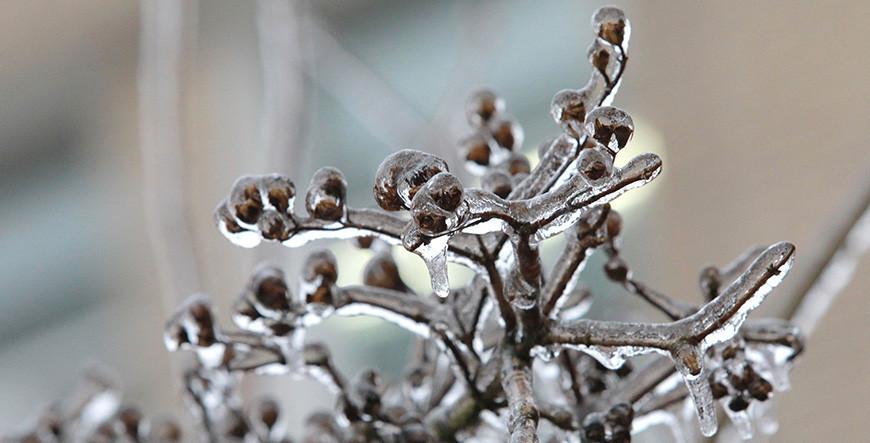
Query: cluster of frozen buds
[
  {"x": 95, "y": 413},
  {"x": 511, "y": 356}
]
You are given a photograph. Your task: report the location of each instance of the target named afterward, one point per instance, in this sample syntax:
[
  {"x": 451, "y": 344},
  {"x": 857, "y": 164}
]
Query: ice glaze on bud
[
  {"x": 367, "y": 390},
  {"x": 280, "y": 192},
  {"x": 192, "y": 324},
  {"x": 507, "y": 133},
  {"x": 269, "y": 290},
  {"x": 316, "y": 354},
  {"x": 436, "y": 208},
  {"x": 595, "y": 165},
  {"x": 482, "y": 106},
  {"x": 320, "y": 273},
  {"x": 569, "y": 108},
  {"x": 267, "y": 412},
  {"x": 325, "y": 199},
  {"x": 402, "y": 174},
  {"x": 610, "y": 24},
  {"x": 381, "y": 272},
  {"x": 245, "y": 200},
  {"x": 610, "y": 126},
  {"x": 498, "y": 182}
]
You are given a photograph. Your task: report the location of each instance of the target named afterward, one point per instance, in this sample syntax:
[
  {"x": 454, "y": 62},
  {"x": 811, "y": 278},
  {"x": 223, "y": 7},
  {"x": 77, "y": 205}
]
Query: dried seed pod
[
  {"x": 610, "y": 24},
  {"x": 602, "y": 58},
  {"x": 316, "y": 354},
  {"x": 569, "y": 108},
  {"x": 402, "y": 174},
  {"x": 267, "y": 412},
  {"x": 478, "y": 151},
  {"x": 616, "y": 269},
  {"x": 275, "y": 226},
  {"x": 593, "y": 428},
  {"x": 738, "y": 403},
  {"x": 595, "y": 165},
  {"x": 437, "y": 207},
  {"x": 130, "y": 419},
  {"x": 367, "y": 390},
  {"x": 163, "y": 430},
  {"x": 516, "y": 164},
  {"x": 497, "y": 182},
  {"x": 192, "y": 323},
  {"x": 245, "y": 201},
  {"x": 507, "y": 133},
  {"x": 269, "y": 291},
  {"x": 230, "y": 228},
  {"x": 319, "y": 274},
  {"x": 613, "y": 224},
  {"x": 610, "y": 126},
  {"x": 482, "y": 106},
  {"x": 326, "y": 195},
  {"x": 280, "y": 192},
  {"x": 381, "y": 272}
]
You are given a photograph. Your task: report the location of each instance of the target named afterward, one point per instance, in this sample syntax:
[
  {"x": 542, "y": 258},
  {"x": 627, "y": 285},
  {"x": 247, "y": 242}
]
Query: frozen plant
[{"x": 511, "y": 356}]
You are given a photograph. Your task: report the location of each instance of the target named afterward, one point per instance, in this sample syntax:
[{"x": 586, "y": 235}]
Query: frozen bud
[
  {"x": 710, "y": 280},
  {"x": 436, "y": 208},
  {"x": 614, "y": 224},
  {"x": 569, "y": 109},
  {"x": 402, "y": 174},
  {"x": 234, "y": 427},
  {"x": 616, "y": 269},
  {"x": 316, "y": 354},
  {"x": 738, "y": 403},
  {"x": 280, "y": 192},
  {"x": 717, "y": 385},
  {"x": 364, "y": 242},
  {"x": 275, "y": 226},
  {"x": 130, "y": 418},
  {"x": 164, "y": 431},
  {"x": 245, "y": 201},
  {"x": 320, "y": 273},
  {"x": 267, "y": 412},
  {"x": 482, "y": 106},
  {"x": 507, "y": 133},
  {"x": 230, "y": 228},
  {"x": 595, "y": 165},
  {"x": 326, "y": 194},
  {"x": 415, "y": 432},
  {"x": 192, "y": 323},
  {"x": 593, "y": 428},
  {"x": 367, "y": 390},
  {"x": 601, "y": 57},
  {"x": 517, "y": 164},
  {"x": 381, "y": 272},
  {"x": 269, "y": 289},
  {"x": 610, "y": 24},
  {"x": 610, "y": 126},
  {"x": 620, "y": 414},
  {"x": 497, "y": 182},
  {"x": 478, "y": 152}
]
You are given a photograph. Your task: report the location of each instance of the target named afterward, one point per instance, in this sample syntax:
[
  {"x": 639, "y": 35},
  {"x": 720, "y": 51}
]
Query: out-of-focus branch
[
  {"x": 834, "y": 270},
  {"x": 162, "y": 44}
]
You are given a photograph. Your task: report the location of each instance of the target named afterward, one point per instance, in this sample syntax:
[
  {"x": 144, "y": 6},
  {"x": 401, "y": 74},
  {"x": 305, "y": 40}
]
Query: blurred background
[{"x": 758, "y": 108}]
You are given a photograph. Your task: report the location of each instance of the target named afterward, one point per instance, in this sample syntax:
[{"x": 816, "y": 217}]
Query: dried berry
[
  {"x": 402, "y": 174},
  {"x": 325, "y": 199}
]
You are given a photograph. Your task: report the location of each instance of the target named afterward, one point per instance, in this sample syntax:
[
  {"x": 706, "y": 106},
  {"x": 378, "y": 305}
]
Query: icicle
[
  {"x": 434, "y": 254},
  {"x": 689, "y": 362}
]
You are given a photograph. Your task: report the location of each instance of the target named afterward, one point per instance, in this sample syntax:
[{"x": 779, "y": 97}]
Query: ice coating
[{"x": 478, "y": 348}]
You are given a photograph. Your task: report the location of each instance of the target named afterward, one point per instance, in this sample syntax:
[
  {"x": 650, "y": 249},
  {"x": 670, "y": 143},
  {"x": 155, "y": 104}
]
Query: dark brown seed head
[
  {"x": 327, "y": 192},
  {"x": 616, "y": 269},
  {"x": 402, "y": 174},
  {"x": 482, "y": 106}
]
